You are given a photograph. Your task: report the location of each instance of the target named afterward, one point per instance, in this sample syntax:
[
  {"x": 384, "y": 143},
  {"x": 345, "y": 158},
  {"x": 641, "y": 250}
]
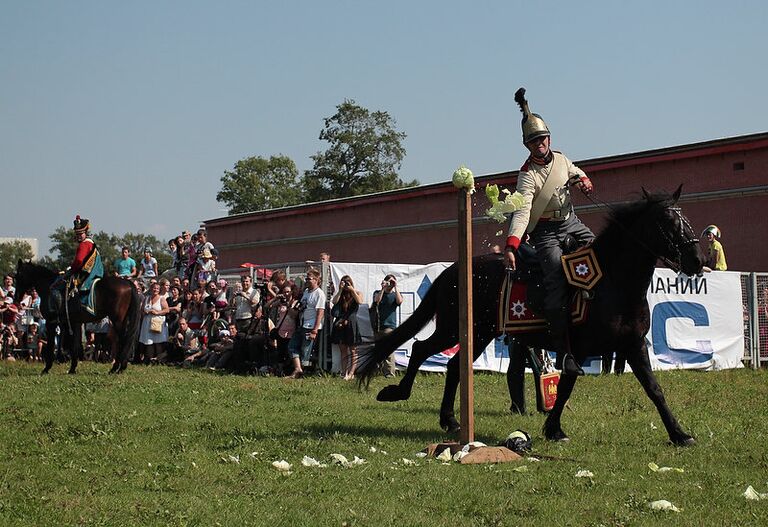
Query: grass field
[{"x": 161, "y": 446}]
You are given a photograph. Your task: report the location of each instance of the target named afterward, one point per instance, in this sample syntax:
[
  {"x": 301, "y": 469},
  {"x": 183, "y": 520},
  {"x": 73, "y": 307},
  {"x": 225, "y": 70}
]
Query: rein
[{"x": 677, "y": 264}]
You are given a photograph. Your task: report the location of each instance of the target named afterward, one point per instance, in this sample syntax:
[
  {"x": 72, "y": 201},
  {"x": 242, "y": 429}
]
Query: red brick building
[{"x": 725, "y": 182}]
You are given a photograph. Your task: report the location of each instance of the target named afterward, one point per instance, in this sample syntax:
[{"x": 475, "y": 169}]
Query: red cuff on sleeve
[{"x": 513, "y": 241}]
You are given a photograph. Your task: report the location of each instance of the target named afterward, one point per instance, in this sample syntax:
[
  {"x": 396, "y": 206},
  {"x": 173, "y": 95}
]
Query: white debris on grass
[
  {"x": 312, "y": 462},
  {"x": 460, "y": 454},
  {"x": 534, "y": 459},
  {"x": 656, "y": 468},
  {"x": 420, "y": 454},
  {"x": 282, "y": 466},
  {"x": 372, "y": 449},
  {"x": 584, "y": 474},
  {"x": 233, "y": 459},
  {"x": 356, "y": 461},
  {"x": 752, "y": 495},
  {"x": 473, "y": 444},
  {"x": 663, "y": 505},
  {"x": 339, "y": 459},
  {"x": 409, "y": 462},
  {"x": 444, "y": 456}
]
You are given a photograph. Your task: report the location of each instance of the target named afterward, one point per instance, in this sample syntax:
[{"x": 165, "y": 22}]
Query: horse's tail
[
  {"x": 130, "y": 329},
  {"x": 369, "y": 359}
]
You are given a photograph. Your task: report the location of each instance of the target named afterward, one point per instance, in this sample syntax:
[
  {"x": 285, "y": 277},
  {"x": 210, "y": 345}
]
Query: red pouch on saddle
[{"x": 548, "y": 392}]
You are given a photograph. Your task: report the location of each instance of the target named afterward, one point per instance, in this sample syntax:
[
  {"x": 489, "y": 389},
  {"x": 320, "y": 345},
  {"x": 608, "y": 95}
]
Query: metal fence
[{"x": 754, "y": 294}]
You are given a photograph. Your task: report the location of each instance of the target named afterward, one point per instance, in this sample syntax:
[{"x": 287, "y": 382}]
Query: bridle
[{"x": 675, "y": 262}]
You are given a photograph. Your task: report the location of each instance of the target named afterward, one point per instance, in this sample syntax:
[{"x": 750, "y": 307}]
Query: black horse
[
  {"x": 114, "y": 297},
  {"x": 637, "y": 235}
]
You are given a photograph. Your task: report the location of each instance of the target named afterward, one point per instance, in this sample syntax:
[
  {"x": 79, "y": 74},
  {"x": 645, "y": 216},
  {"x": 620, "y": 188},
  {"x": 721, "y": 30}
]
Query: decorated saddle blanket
[
  {"x": 87, "y": 297},
  {"x": 581, "y": 268},
  {"x": 519, "y": 299},
  {"x": 517, "y": 307}
]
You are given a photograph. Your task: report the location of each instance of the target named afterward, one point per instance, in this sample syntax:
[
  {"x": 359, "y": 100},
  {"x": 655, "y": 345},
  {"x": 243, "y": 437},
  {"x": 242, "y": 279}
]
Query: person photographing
[
  {"x": 384, "y": 320},
  {"x": 345, "y": 330}
]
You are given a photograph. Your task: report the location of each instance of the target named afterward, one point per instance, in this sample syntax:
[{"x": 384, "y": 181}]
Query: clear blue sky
[{"x": 129, "y": 112}]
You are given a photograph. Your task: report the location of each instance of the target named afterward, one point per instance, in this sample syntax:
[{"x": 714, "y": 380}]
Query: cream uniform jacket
[{"x": 530, "y": 182}]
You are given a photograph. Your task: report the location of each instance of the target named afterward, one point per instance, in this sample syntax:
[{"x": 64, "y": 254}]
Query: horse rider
[
  {"x": 547, "y": 215},
  {"x": 86, "y": 266}
]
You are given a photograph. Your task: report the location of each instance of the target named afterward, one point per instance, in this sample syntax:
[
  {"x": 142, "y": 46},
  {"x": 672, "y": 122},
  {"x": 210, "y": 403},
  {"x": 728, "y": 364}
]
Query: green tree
[
  {"x": 364, "y": 155},
  {"x": 11, "y": 253},
  {"x": 256, "y": 183},
  {"x": 63, "y": 247}
]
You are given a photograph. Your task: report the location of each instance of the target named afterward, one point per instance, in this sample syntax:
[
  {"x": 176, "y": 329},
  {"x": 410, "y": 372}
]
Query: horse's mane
[
  {"x": 37, "y": 269},
  {"x": 629, "y": 215}
]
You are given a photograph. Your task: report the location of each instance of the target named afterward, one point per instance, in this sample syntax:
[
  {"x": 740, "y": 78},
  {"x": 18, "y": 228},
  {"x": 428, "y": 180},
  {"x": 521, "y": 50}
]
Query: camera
[
  {"x": 343, "y": 283},
  {"x": 392, "y": 283}
]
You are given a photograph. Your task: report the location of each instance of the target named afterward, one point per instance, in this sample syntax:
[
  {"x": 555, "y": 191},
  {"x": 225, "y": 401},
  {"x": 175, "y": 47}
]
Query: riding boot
[{"x": 559, "y": 323}]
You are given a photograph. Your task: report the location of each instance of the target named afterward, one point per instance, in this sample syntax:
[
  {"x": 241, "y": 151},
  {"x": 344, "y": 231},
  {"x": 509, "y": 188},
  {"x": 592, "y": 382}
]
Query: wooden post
[{"x": 466, "y": 323}]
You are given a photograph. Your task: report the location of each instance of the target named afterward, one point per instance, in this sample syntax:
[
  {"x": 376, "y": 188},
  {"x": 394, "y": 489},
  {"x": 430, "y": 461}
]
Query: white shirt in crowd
[
  {"x": 312, "y": 301},
  {"x": 245, "y": 302},
  {"x": 149, "y": 267}
]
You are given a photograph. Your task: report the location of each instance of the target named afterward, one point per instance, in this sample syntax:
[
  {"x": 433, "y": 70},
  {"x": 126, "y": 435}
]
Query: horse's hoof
[
  {"x": 558, "y": 436},
  {"x": 450, "y": 425},
  {"x": 45, "y": 371},
  {"x": 71, "y": 372},
  {"x": 390, "y": 394},
  {"x": 684, "y": 441}
]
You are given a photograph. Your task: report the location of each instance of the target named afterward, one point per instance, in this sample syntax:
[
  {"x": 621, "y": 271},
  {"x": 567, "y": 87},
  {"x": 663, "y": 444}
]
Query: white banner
[{"x": 696, "y": 323}]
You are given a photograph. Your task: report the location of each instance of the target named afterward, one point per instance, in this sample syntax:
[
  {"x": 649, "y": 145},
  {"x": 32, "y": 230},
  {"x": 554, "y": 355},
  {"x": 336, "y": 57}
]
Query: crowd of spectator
[
  {"x": 191, "y": 317},
  {"x": 22, "y": 325}
]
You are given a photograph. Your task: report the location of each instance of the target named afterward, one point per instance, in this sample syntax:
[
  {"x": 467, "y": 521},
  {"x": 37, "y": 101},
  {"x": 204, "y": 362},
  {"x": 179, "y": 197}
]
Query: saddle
[
  {"x": 77, "y": 295},
  {"x": 522, "y": 293}
]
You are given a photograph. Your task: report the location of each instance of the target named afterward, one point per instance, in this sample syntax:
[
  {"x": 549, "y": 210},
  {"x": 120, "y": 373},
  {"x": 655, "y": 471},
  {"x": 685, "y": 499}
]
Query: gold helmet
[{"x": 533, "y": 125}]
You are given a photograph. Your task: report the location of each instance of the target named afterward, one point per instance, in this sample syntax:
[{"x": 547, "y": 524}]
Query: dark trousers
[{"x": 547, "y": 238}]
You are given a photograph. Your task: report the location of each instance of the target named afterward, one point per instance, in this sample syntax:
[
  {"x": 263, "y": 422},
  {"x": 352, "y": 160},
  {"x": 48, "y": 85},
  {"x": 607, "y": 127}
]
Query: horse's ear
[
  {"x": 676, "y": 195},
  {"x": 645, "y": 193}
]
